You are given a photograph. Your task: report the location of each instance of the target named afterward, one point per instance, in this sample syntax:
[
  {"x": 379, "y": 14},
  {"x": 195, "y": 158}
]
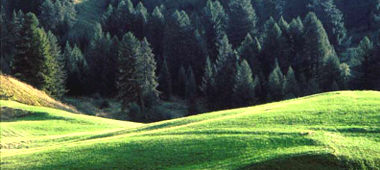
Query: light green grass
[{"x": 339, "y": 130}]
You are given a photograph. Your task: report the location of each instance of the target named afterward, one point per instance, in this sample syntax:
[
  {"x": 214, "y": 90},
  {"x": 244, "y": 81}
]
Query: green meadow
[{"x": 337, "y": 130}]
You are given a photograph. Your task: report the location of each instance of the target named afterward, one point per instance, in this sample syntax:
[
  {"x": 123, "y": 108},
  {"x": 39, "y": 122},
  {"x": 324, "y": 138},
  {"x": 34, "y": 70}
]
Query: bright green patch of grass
[{"x": 339, "y": 130}]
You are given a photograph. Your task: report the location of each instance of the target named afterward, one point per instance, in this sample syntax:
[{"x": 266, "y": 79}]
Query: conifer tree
[
  {"x": 191, "y": 86},
  {"x": 362, "y": 72},
  {"x": 77, "y": 70},
  {"x": 58, "y": 16},
  {"x": 207, "y": 79},
  {"x": 244, "y": 88},
  {"x": 296, "y": 43},
  {"x": 145, "y": 73},
  {"x": 250, "y": 50},
  {"x": 276, "y": 84},
  {"x": 128, "y": 88},
  {"x": 332, "y": 19},
  {"x": 291, "y": 86},
  {"x": 28, "y": 59},
  {"x": 180, "y": 44},
  {"x": 274, "y": 46},
  {"x": 317, "y": 47},
  {"x": 375, "y": 15},
  {"x": 181, "y": 84},
  {"x": 242, "y": 20},
  {"x": 224, "y": 75},
  {"x": 165, "y": 81},
  {"x": 156, "y": 32},
  {"x": 55, "y": 76},
  {"x": 215, "y": 23},
  {"x": 97, "y": 56},
  {"x": 141, "y": 17}
]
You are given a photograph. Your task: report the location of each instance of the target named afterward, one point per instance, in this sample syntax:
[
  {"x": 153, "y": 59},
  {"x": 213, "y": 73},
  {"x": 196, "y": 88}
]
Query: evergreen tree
[
  {"x": 55, "y": 74},
  {"x": 276, "y": 84},
  {"x": 128, "y": 88},
  {"x": 215, "y": 23},
  {"x": 291, "y": 87},
  {"x": 191, "y": 86},
  {"x": 362, "y": 69},
  {"x": 28, "y": 59},
  {"x": 141, "y": 17},
  {"x": 165, "y": 81},
  {"x": 332, "y": 19},
  {"x": 224, "y": 75},
  {"x": 77, "y": 69},
  {"x": 58, "y": 16},
  {"x": 244, "y": 88},
  {"x": 98, "y": 56},
  {"x": 242, "y": 20},
  {"x": 296, "y": 42},
  {"x": 181, "y": 84},
  {"x": 250, "y": 50},
  {"x": 330, "y": 73},
  {"x": 180, "y": 45},
  {"x": 145, "y": 73},
  {"x": 274, "y": 46},
  {"x": 156, "y": 26},
  {"x": 207, "y": 79},
  {"x": 375, "y": 15},
  {"x": 317, "y": 48}
]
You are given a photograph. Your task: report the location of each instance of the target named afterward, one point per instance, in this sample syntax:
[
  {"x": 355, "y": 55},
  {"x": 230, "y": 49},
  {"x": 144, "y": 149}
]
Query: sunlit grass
[{"x": 339, "y": 130}]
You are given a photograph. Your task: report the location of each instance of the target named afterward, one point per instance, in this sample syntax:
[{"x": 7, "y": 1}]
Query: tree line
[{"x": 226, "y": 53}]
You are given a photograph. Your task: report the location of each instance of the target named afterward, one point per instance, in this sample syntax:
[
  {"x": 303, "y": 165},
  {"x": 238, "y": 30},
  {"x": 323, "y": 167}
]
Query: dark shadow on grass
[{"x": 301, "y": 162}]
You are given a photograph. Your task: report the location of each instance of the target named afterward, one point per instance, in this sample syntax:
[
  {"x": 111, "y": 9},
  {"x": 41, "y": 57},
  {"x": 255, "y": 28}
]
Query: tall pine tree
[{"x": 242, "y": 20}]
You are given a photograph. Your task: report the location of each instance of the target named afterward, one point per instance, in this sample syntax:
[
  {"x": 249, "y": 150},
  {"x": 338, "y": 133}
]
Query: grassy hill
[
  {"x": 13, "y": 89},
  {"x": 338, "y": 130}
]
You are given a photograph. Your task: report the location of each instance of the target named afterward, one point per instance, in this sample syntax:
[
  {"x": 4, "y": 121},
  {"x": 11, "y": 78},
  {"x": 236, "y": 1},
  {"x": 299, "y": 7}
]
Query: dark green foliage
[
  {"x": 276, "y": 84},
  {"x": 224, "y": 75},
  {"x": 191, "y": 85},
  {"x": 181, "y": 84},
  {"x": 317, "y": 46},
  {"x": 77, "y": 70},
  {"x": 141, "y": 17},
  {"x": 136, "y": 81},
  {"x": 28, "y": 59},
  {"x": 250, "y": 50},
  {"x": 165, "y": 81},
  {"x": 291, "y": 86},
  {"x": 332, "y": 19},
  {"x": 156, "y": 32},
  {"x": 182, "y": 47},
  {"x": 128, "y": 88},
  {"x": 244, "y": 88},
  {"x": 101, "y": 61},
  {"x": 53, "y": 71},
  {"x": 145, "y": 75},
  {"x": 242, "y": 20},
  {"x": 58, "y": 16},
  {"x": 214, "y": 23},
  {"x": 275, "y": 46},
  {"x": 207, "y": 79},
  {"x": 363, "y": 68},
  {"x": 330, "y": 73},
  {"x": 375, "y": 15}
]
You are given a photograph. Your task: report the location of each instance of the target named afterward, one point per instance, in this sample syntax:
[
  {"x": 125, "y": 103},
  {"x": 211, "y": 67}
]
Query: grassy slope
[
  {"x": 337, "y": 130},
  {"x": 15, "y": 90}
]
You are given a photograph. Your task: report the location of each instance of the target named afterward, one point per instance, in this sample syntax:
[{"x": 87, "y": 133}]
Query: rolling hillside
[
  {"x": 338, "y": 130},
  {"x": 15, "y": 90}
]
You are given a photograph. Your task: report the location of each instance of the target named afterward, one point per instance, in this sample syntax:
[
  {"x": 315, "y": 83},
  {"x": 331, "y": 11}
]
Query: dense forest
[{"x": 212, "y": 54}]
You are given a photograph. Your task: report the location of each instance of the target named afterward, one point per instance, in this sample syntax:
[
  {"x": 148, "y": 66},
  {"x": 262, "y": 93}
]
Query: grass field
[{"x": 338, "y": 130}]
